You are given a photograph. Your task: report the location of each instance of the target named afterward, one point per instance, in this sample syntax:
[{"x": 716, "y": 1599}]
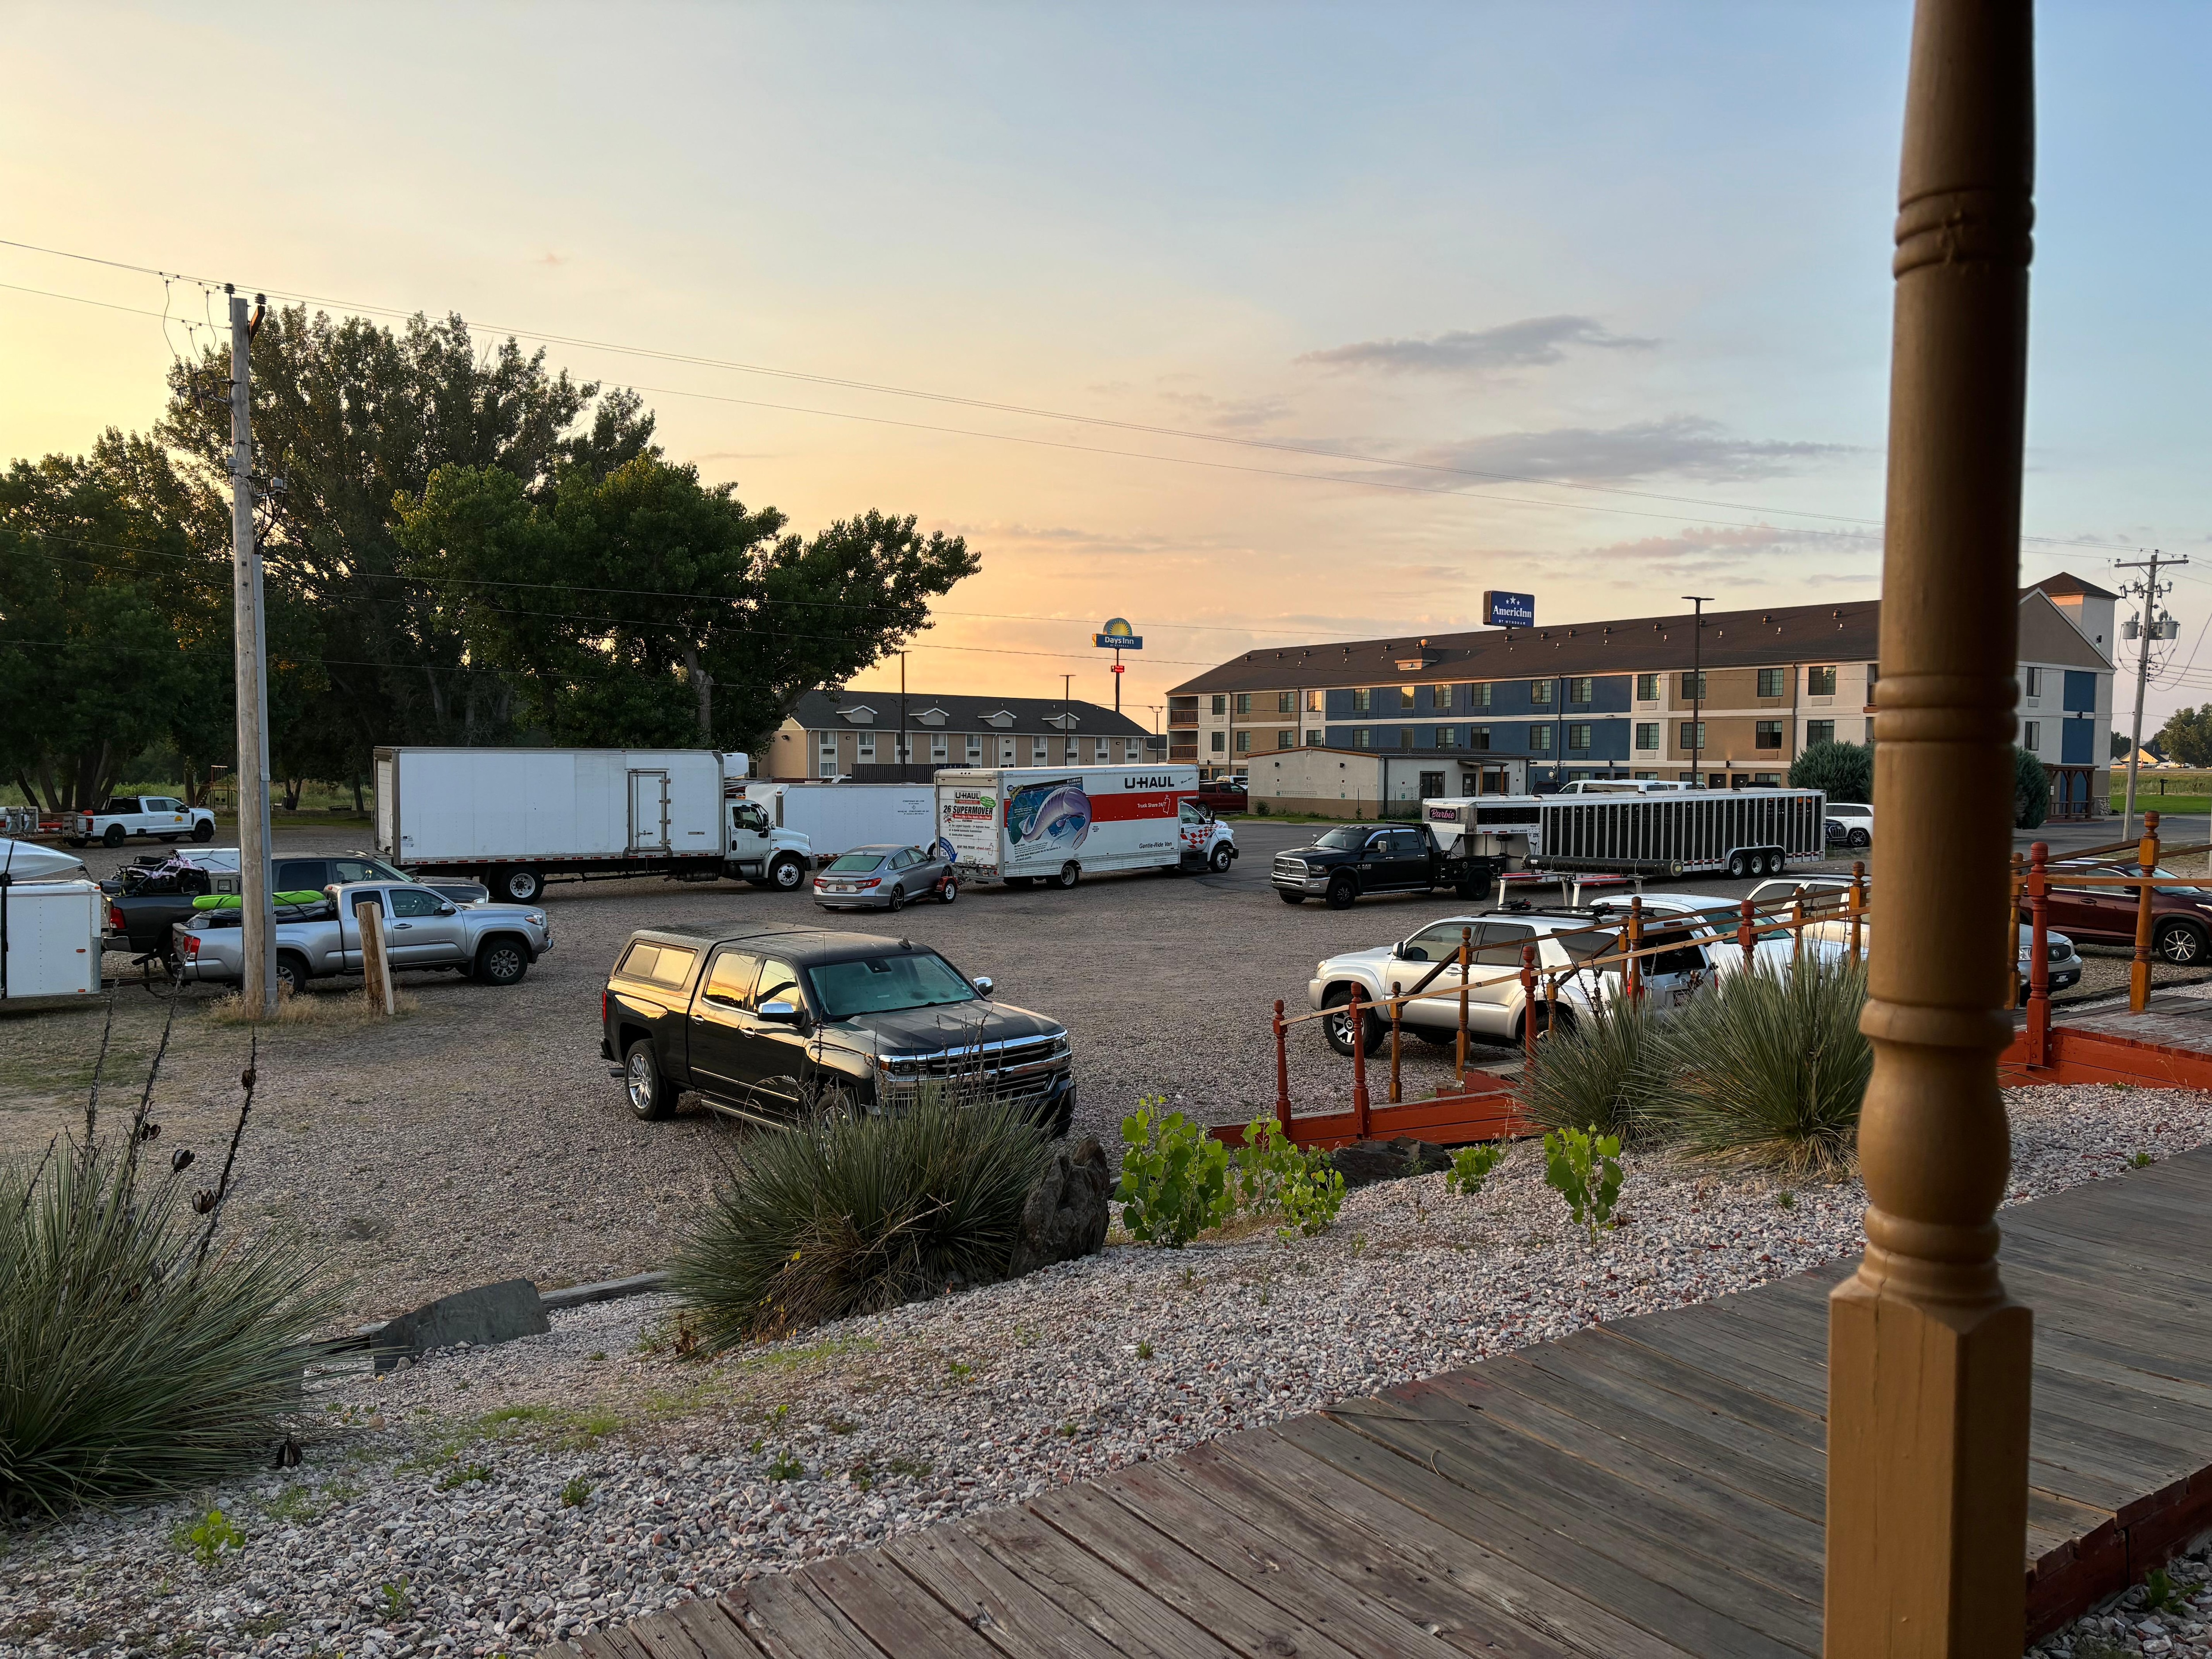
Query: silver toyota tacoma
[{"x": 494, "y": 942}]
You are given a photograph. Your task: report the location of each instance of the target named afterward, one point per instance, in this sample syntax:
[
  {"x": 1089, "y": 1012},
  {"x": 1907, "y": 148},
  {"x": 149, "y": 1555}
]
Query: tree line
[{"x": 459, "y": 547}]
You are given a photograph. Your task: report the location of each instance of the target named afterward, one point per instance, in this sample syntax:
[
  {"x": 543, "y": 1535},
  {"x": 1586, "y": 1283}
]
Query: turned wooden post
[
  {"x": 1747, "y": 933},
  {"x": 1359, "y": 1106},
  {"x": 2147, "y": 857},
  {"x": 1797, "y": 929},
  {"x": 1282, "y": 1075},
  {"x": 1466, "y": 955},
  {"x": 1928, "y": 1357},
  {"x": 1528, "y": 1004},
  {"x": 2012, "y": 924},
  {"x": 1397, "y": 1007},
  {"x": 2038, "y": 957},
  {"x": 1634, "y": 976},
  {"x": 1857, "y": 901}
]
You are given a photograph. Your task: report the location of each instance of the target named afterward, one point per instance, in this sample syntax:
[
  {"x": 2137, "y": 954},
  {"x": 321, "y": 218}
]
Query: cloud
[
  {"x": 1531, "y": 343},
  {"x": 1682, "y": 445},
  {"x": 1715, "y": 549},
  {"x": 1228, "y": 413}
]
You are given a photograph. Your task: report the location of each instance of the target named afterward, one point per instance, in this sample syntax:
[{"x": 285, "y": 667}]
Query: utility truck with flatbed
[{"x": 517, "y": 818}]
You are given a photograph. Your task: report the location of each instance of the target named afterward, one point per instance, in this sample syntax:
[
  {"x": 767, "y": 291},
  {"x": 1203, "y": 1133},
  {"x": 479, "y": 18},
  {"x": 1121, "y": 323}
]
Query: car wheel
[
  {"x": 836, "y": 1099},
  {"x": 1736, "y": 868},
  {"x": 1342, "y": 892},
  {"x": 1337, "y": 1025},
  {"x": 649, "y": 1097},
  {"x": 116, "y": 835},
  {"x": 898, "y": 896},
  {"x": 501, "y": 962},
  {"x": 203, "y": 830},
  {"x": 949, "y": 891},
  {"x": 520, "y": 886},
  {"x": 1068, "y": 876},
  {"x": 786, "y": 874},
  {"x": 1219, "y": 861},
  {"x": 1858, "y": 838},
  {"x": 1289, "y": 897},
  {"x": 2179, "y": 944},
  {"x": 291, "y": 973}
]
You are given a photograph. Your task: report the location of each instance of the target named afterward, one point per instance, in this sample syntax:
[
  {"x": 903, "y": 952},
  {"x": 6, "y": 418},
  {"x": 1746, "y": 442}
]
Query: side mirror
[
  {"x": 782, "y": 1013},
  {"x": 983, "y": 983},
  {"x": 449, "y": 909}
]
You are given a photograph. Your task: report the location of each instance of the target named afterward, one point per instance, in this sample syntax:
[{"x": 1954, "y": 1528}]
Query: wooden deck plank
[
  {"x": 788, "y": 1619},
  {"x": 712, "y": 1627},
  {"x": 1140, "y": 1625},
  {"x": 1017, "y": 1618},
  {"x": 891, "y": 1610},
  {"x": 1609, "y": 1348}
]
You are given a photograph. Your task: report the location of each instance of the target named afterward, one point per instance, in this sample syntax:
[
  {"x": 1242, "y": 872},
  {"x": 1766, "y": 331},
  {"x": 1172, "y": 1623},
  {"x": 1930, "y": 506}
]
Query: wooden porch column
[{"x": 1928, "y": 1357}]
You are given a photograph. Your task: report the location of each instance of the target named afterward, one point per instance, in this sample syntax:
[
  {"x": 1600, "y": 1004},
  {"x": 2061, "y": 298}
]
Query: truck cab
[
  {"x": 764, "y": 854},
  {"x": 1356, "y": 858}
]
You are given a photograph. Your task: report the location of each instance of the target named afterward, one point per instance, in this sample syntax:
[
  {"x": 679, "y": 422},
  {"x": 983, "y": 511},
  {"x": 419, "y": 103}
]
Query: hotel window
[
  {"x": 828, "y": 767},
  {"x": 1693, "y": 687},
  {"x": 1539, "y": 692},
  {"x": 1131, "y": 749},
  {"x": 1767, "y": 780},
  {"x": 1478, "y": 737},
  {"x": 1693, "y": 735},
  {"x": 1073, "y": 752},
  {"x": 1286, "y": 702},
  {"x": 2034, "y": 689},
  {"x": 1647, "y": 734},
  {"x": 1313, "y": 739},
  {"x": 1769, "y": 683},
  {"x": 1405, "y": 696},
  {"x": 1005, "y": 751},
  {"x": 1440, "y": 697},
  {"x": 1363, "y": 738},
  {"x": 1647, "y": 688},
  {"x": 1244, "y": 703},
  {"x": 1582, "y": 691},
  {"x": 1313, "y": 702},
  {"x": 1243, "y": 743},
  {"x": 1221, "y": 743},
  {"x": 1478, "y": 696},
  {"x": 1766, "y": 734},
  {"x": 1405, "y": 737},
  {"x": 1037, "y": 750},
  {"x": 1447, "y": 737},
  {"x": 1362, "y": 700},
  {"x": 1540, "y": 739},
  {"x": 1286, "y": 739},
  {"x": 2033, "y": 740},
  {"x": 868, "y": 745},
  {"x": 1819, "y": 731},
  {"x": 1820, "y": 682},
  {"x": 1579, "y": 738},
  {"x": 1220, "y": 703},
  {"x": 940, "y": 747},
  {"x": 1099, "y": 753}
]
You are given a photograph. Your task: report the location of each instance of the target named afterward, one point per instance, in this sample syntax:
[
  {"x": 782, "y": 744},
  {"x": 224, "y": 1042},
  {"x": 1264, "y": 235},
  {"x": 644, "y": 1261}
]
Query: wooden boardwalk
[{"x": 1648, "y": 1487}]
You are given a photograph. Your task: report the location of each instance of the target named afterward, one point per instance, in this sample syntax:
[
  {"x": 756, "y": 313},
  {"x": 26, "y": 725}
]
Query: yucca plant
[
  {"x": 851, "y": 1213},
  {"x": 139, "y": 1353},
  {"x": 1594, "y": 1074},
  {"x": 1768, "y": 1068}
]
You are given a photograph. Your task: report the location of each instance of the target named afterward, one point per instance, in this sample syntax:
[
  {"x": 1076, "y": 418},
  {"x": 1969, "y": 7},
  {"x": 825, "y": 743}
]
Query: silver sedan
[{"x": 885, "y": 879}]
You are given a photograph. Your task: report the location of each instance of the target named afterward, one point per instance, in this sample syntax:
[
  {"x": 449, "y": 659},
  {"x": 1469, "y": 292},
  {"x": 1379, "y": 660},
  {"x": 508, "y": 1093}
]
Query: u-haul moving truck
[{"x": 1020, "y": 824}]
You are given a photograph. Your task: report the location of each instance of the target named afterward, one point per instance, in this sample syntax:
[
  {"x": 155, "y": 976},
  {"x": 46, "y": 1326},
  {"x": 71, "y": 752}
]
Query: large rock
[
  {"x": 487, "y": 1314},
  {"x": 1366, "y": 1161},
  {"x": 1065, "y": 1214}
]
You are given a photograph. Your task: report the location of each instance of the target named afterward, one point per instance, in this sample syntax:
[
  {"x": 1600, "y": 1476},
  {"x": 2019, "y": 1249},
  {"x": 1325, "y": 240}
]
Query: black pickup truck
[
  {"x": 1375, "y": 857},
  {"x": 766, "y": 1021}
]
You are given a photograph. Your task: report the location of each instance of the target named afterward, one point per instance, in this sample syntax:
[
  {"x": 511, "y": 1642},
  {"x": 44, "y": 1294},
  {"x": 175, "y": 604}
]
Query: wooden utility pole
[
  {"x": 1928, "y": 1357},
  {"x": 2152, "y": 624},
  {"x": 250, "y": 643}
]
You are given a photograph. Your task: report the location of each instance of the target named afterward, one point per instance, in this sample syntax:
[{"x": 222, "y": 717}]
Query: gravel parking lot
[{"x": 480, "y": 1137}]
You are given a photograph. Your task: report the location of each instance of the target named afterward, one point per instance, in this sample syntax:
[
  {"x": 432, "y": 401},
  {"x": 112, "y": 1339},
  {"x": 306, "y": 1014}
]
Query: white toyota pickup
[{"x": 126, "y": 816}]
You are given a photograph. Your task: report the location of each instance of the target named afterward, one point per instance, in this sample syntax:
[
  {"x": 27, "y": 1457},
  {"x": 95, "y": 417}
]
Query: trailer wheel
[
  {"x": 786, "y": 874},
  {"x": 1070, "y": 873},
  {"x": 1736, "y": 867},
  {"x": 1343, "y": 892},
  {"x": 203, "y": 830},
  {"x": 948, "y": 891},
  {"x": 1774, "y": 862},
  {"x": 116, "y": 835},
  {"x": 520, "y": 886}
]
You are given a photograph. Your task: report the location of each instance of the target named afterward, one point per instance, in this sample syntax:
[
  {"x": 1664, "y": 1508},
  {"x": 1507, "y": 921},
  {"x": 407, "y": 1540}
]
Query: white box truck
[
  {"x": 1020, "y": 824},
  {"x": 836, "y": 817},
  {"x": 50, "y": 939},
  {"x": 516, "y": 818}
]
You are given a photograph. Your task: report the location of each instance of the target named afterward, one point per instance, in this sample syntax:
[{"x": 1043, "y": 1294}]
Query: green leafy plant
[
  {"x": 395, "y": 1600},
  {"x": 2161, "y": 1594},
  {"x": 2142, "y": 1161},
  {"x": 213, "y": 1535},
  {"x": 574, "y": 1492},
  {"x": 1785, "y": 1199},
  {"x": 1597, "y": 1073},
  {"x": 1144, "y": 1349},
  {"x": 463, "y": 1476},
  {"x": 1175, "y": 1177},
  {"x": 1769, "y": 1068},
  {"x": 852, "y": 1213},
  {"x": 1583, "y": 1167},
  {"x": 785, "y": 1466},
  {"x": 1471, "y": 1167},
  {"x": 1275, "y": 1175}
]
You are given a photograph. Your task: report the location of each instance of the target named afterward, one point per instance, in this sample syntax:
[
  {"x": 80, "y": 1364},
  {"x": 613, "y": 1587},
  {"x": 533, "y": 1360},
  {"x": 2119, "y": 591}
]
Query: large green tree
[
  {"x": 2187, "y": 736},
  {"x": 644, "y": 607}
]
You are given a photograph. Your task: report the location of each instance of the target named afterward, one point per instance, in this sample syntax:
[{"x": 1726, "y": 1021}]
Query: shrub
[
  {"x": 852, "y": 1213},
  {"x": 1471, "y": 1167},
  {"x": 1277, "y": 1176},
  {"x": 1583, "y": 1167},
  {"x": 1770, "y": 1068},
  {"x": 1844, "y": 771},
  {"x": 1594, "y": 1073},
  {"x": 1175, "y": 1177},
  {"x": 2031, "y": 791},
  {"x": 136, "y": 1356}
]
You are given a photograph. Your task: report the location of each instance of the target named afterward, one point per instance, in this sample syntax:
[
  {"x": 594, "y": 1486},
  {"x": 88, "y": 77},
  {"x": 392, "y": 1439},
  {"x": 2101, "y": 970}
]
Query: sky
[{"x": 1253, "y": 323}]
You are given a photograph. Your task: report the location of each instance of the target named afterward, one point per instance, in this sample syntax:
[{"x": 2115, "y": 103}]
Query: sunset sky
[{"x": 1589, "y": 301}]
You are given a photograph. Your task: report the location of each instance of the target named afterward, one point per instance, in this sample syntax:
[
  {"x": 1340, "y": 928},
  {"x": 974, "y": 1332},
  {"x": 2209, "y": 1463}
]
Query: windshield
[
  {"x": 878, "y": 984},
  {"x": 1343, "y": 841},
  {"x": 1582, "y": 945},
  {"x": 858, "y": 863}
]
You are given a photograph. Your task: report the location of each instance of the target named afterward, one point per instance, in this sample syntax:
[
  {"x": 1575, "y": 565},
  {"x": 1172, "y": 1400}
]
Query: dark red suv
[{"x": 2180, "y": 917}]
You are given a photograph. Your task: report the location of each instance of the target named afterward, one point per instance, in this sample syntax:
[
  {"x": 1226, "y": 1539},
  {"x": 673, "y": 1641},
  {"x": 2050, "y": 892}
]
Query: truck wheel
[
  {"x": 1289, "y": 897},
  {"x": 116, "y": 835},
  {"x": 649, "y": 1097},
  {"x": 1337, "y": 1025},
  {"x": 291, "y": 973},
  {"x": 1342, "y": 892},
  {"x": 786, "y": 874},
  {"x": 1070, "y": 873},
  {"x": 520, "y": 886},
  {"x": 1218, "y": 863},
  {"x": 203, "y": 830},
  {"x": 501, "y": 962}
]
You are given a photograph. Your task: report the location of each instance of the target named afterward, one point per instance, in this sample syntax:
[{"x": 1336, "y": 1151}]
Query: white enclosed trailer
[
  {"x": 516, "y": 818},
  {"x": 1020, "y": 824},
  {"x": 836, "y": 817},
  {"x": 1737, "y": 832},
  {"x": 50, "y": 939}
]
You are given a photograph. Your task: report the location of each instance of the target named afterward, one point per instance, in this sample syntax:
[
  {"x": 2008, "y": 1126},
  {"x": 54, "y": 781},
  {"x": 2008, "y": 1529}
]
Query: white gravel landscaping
[{"x": 432, "y": 1513}]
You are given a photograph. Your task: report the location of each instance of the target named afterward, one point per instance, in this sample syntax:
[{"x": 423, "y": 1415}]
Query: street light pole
[{"x": 1698, "y": 679}]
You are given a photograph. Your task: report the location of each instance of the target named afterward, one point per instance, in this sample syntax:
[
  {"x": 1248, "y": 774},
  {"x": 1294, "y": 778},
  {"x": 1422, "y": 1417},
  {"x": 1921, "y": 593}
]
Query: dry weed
[{"x": 338, "y": 1008}]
